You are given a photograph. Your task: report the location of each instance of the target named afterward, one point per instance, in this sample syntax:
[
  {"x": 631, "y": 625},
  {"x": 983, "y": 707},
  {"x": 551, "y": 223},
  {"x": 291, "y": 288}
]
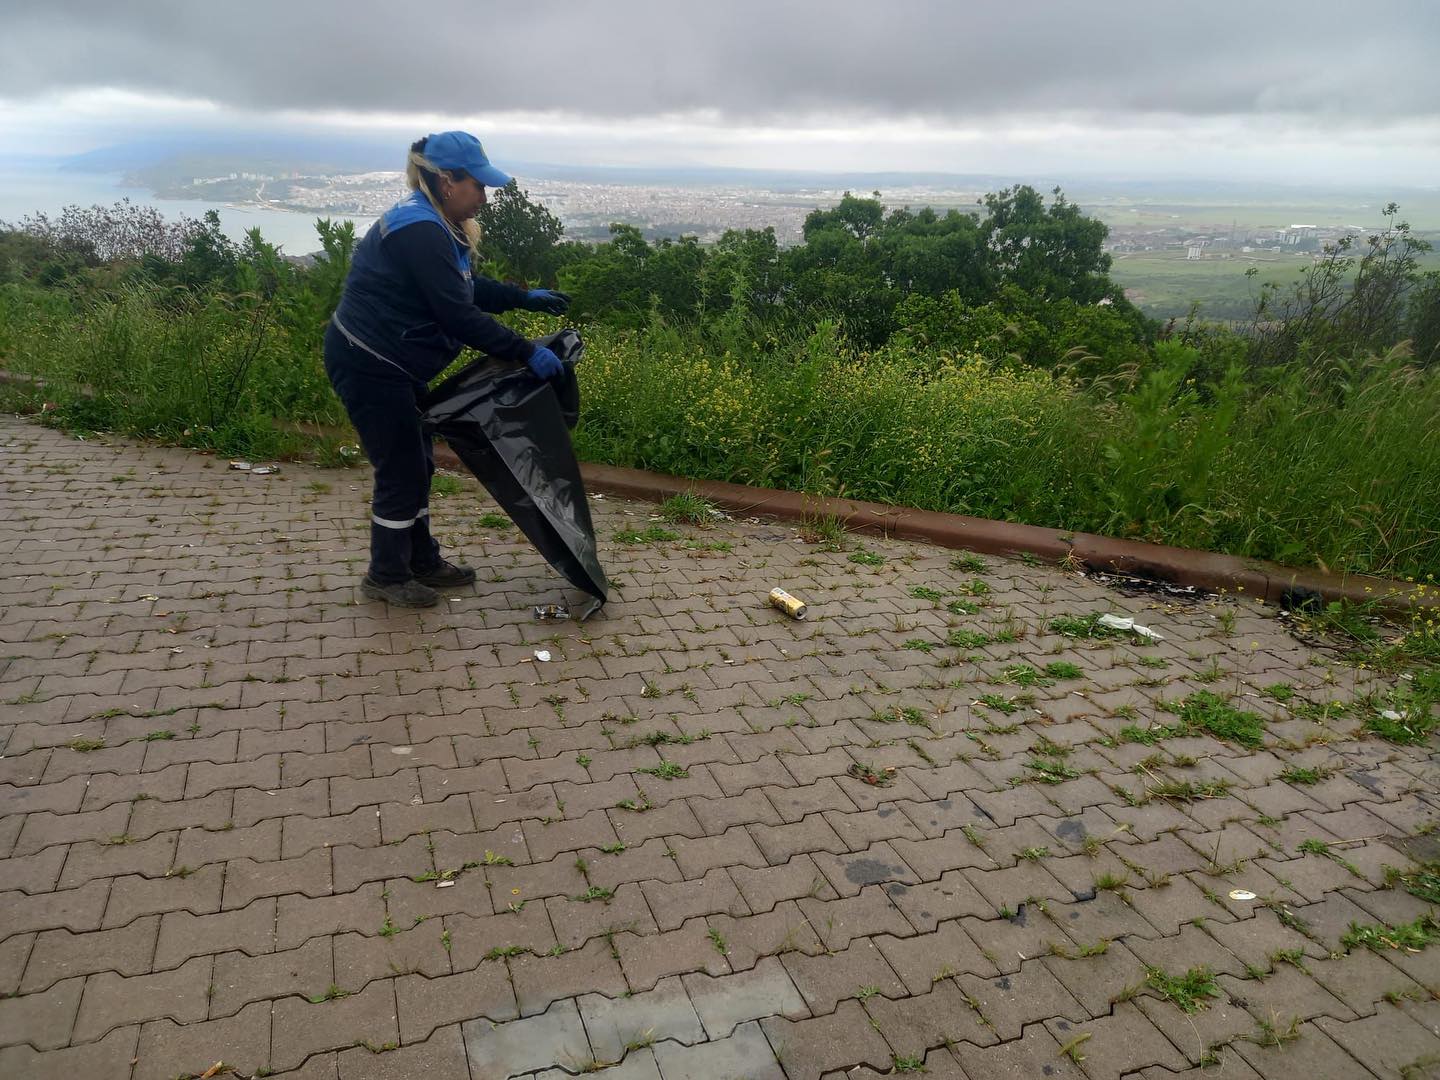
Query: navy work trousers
[{"x": 382, "y": 402}]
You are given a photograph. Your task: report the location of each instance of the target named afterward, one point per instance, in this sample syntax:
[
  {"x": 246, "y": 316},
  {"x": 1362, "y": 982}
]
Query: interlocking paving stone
[
  {"x": 807, "y": 1049},
  {"x": 746, "y": 1053},
  {"x": 857, "y": 971},
  {"x": 725, "y": 1002},
  {"x": 44, "y": 1019},
  {"x": 303, "y": 1027},
  {"x": 615, "y": 1025},
  {"x": 638, "y": 1065},
  {"x": 59, "y": 954},
  {"x": 426, "y": 1003},
  {"x": 110, "y": 1056},
  {"x": 441, "y": 1057},
  {"x": 555, "y": 1037},
  {"x": 539, "y": 980},
  {"x": 168, "y": 1049},
  {"x": 275, "y": 886}
]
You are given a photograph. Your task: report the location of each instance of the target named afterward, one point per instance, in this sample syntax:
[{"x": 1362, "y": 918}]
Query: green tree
[
  {"x": 1053, "y": 251},
  {"x": 521, "y": 235}
]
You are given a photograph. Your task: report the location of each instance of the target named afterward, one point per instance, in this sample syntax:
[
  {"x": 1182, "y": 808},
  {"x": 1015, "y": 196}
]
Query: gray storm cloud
[{"x": 744, "y": 61}]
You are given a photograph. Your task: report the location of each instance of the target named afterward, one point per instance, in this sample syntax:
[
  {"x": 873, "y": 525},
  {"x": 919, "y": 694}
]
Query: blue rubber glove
[
  {"x": 547, "y": 301},
  {"x": 545, "y": 363}
]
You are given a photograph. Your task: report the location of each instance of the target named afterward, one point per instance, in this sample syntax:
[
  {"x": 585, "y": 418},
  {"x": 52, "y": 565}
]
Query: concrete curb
[{"x": 1271, "y": 582}]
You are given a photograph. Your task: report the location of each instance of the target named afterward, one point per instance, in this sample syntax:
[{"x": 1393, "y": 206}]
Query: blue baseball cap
[{"x": 461, "y": 150}]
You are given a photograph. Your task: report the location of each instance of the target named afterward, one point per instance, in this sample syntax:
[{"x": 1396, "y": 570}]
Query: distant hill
[{"x": 202, "y": 155}]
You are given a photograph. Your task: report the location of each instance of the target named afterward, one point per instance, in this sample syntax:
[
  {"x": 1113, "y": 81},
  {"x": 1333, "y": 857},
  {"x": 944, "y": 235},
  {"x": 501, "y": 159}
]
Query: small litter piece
[
  {"x": 790, "y": 605},
  {"x": 1115, "y": 622},
  {"x": 1391, "y": 714},
  {"x": 1241, "y": 894},
  {"x": 543, "y": 655},
  {"x": 264, "y": 470},
  {"x": 242, "y": 466},
  {"x": 551, "y": 612},
  {"x": 402, "y": 749},
  {"x": 444, "y": 884}
]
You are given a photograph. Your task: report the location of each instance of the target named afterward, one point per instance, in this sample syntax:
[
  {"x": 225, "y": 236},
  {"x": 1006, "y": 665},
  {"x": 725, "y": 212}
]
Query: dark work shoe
[
  {"x": 447, "y": 575},
  {"x": 402, "y": 593}
]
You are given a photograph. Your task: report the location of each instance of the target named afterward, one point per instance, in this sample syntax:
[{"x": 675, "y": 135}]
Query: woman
[{"x": 409, "y": 305}]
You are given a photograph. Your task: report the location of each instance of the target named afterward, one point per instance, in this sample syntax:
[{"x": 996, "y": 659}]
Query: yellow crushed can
[{"x": 790, "y": 605}]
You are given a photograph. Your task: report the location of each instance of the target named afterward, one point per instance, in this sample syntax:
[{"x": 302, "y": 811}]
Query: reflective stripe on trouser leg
[{"x": 389, "y": 524}]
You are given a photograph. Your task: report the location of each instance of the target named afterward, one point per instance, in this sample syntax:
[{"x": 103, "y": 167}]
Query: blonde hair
[{"x": 420, "y": 175}]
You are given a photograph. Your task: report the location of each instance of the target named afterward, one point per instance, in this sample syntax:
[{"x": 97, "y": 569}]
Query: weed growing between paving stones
[
  {"x": 1212, "y": 714},
  {"x": 1316, "y": 846},
  {"x": 870, "y": 774},
  {"x": 1050, "y": 770},
  {"x": 594, "y": 893},
  {"x": 1189, "y": 991},
  {"x": 924, "y": 592},
  {"x": 667, "y": 770},
  {"x": 1086, "y": 626},
  {"x": 1295, "y": 774},
  {"x": 1024, "y": 675},
  {"x": 1423, "y": 883},
  {"x": 1149, "y": 736},
  {"x": 829, "y": 532},
  {"x": 445, "y": 485},
  {"x": 1406, "y": 714},
  {"x": 1188, "y": 790},
  {"x": 687, "y": 508},
  {"x": 967, "y": 639},
  {"x": 652, "y": 534},
  {"x": 1411, "y": 937},
  {"x": 1271, "y": 1033},
  {"x": 1401, "y": 717},
  {"x": 1205, "y": 712}
]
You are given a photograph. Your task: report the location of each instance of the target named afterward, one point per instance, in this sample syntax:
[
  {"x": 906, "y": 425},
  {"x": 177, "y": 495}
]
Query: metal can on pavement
[{"x": 790, "y": 605}]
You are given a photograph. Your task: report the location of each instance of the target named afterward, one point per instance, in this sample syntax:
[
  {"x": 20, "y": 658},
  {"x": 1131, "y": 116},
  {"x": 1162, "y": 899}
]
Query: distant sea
[{"x": 28, "y": 190}]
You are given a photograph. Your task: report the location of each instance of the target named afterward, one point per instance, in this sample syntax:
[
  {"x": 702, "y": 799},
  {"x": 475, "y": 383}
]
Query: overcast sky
[{"x": 1321, "y": 89}]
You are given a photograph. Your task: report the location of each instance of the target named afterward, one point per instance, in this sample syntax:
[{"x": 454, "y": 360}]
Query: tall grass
[
  {"x": 1333, "y": 467},
  {"x": 169, "y": 364},
  {"x": 1337, "y": 466}
]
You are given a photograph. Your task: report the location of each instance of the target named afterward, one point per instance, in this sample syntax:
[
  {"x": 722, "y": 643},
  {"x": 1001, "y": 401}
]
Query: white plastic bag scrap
[{"x": 1115, "y": 622}]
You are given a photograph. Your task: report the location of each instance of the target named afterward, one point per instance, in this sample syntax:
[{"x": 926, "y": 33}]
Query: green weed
[
  {"x": 687, "y": 508},
  {"x": 1189, "y": 991},
  {"x": 652, "y": 534}
]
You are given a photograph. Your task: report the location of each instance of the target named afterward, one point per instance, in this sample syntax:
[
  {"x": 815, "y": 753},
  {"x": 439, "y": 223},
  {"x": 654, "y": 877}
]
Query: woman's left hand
[{"x": 547, "y": 301}]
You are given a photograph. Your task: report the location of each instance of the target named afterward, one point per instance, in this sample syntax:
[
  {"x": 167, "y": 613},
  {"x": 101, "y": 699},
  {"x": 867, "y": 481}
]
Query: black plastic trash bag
[{"x": 512, "y": 430}]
